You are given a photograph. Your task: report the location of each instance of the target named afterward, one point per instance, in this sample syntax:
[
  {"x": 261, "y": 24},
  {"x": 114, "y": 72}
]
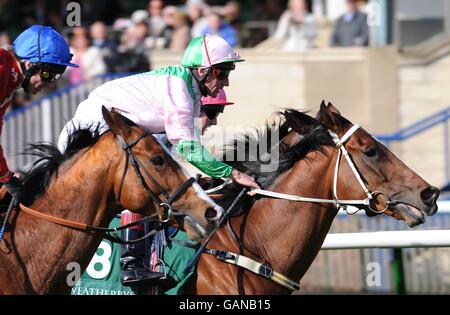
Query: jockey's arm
[{"x": 198, "y": 156}]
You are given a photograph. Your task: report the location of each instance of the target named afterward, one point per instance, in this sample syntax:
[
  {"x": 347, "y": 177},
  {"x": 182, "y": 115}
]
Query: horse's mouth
[
  {"x": 412, "y": 215},
  {"x": 194, "y": 229}
]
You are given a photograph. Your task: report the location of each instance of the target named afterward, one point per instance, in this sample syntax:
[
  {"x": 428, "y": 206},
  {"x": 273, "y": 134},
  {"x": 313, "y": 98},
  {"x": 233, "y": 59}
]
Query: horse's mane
[
  {"x": 38, "y": 175},
  {"x": 312, "y": 139}
]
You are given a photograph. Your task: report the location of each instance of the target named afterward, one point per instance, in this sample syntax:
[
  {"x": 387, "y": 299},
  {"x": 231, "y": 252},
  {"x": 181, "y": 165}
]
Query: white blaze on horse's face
[{"x": 198, "y": 189}]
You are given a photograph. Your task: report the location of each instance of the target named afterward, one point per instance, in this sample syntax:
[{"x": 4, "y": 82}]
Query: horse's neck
[
  {"x": 80, "y": 192},
  {"x": 289, "y": 234},
  {"x": 76, "y": 195}
]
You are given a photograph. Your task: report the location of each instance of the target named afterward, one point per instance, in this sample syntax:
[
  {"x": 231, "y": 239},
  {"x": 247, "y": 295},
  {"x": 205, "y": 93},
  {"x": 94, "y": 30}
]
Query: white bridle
[{"x": 340, "y": 144}]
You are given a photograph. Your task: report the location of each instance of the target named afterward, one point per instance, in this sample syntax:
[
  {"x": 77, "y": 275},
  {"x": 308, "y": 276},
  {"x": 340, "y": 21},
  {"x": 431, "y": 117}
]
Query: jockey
[
  {"x": 39, "y": 56},
  {"x": 211, "y": 108},
  {"x": 167, "y": 100}
]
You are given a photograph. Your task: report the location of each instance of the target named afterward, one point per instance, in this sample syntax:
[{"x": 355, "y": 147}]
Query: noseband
[{"x": 169, "y": 211}]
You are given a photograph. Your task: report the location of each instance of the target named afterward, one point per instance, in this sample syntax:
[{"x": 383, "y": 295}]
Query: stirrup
[{"x": 133, "y": 276}]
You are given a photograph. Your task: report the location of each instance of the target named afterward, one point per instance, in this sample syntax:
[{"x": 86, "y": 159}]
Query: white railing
[
  {"x": 410, "y": 260},
  {"x": 388, "y": 239}
]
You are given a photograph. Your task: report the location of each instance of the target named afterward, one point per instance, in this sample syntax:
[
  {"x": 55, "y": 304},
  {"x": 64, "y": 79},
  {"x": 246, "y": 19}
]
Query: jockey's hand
[
  {"x": 15, "y": 188},
  {"x": 206, "y": 183},
  {"x": 244, "y": 180}
]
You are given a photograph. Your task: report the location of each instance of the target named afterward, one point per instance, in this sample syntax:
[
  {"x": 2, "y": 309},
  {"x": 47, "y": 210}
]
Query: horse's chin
[
  {"x": 195, "y": 231},
  {"x": 410, "y": 214}
]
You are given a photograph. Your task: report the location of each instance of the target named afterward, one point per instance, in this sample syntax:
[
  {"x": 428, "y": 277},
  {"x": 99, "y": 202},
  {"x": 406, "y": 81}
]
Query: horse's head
[
  {"x": 149, "y": 180},
  {"x": 395, "y": 188}
]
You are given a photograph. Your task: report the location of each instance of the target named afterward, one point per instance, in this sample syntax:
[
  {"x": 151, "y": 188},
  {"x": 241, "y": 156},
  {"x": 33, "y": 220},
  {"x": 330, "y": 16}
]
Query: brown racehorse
[
  {"x": 83, "y": 186},
  {"x": 288, "y": 235}
]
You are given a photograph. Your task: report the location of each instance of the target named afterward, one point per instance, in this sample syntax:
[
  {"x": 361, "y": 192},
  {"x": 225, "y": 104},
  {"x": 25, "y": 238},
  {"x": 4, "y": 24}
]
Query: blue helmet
[{"x": 43, "y": 44}]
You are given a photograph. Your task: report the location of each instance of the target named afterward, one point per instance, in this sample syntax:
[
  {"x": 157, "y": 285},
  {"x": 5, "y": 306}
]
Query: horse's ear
[
  {"x": 333, "y": 109},
  {"x": 328, "y": 118},
  {"x": 300, "y": 122},
  {"x": 115, "y": 121}
]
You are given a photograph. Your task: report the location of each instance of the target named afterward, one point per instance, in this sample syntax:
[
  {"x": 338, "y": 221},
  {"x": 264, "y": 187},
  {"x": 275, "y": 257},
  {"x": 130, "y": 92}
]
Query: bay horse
[
  {"x": 283, "y": 237},
  {"x": 90, "y": 183}
]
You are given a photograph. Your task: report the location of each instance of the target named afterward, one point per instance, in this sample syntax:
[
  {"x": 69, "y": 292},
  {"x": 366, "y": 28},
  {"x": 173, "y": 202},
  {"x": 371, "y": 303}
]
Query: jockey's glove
[{"x": 15, "y": 188}]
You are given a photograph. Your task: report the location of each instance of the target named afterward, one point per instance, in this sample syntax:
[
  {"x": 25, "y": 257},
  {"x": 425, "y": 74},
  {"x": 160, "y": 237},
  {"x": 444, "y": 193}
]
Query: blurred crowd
[{"x": 119, "y": 36}]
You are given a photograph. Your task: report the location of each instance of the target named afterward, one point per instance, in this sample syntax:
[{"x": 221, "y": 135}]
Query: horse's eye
[
  {"x": 157, "y": 160},
  {"x": 371, "y": 152}
]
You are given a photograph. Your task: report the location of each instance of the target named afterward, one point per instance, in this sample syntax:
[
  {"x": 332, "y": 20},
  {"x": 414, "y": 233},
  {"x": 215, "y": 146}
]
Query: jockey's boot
[{"x": 132, "y": 258}]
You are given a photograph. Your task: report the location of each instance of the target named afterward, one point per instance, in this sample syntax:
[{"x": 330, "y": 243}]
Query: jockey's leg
[{"x": 132, "y": 259}]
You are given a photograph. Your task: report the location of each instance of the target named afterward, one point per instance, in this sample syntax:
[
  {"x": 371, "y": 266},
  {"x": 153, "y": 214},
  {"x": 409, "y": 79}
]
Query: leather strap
[
  {"x": 59, "y": 221},
  {"x": 255, "y": 267}
]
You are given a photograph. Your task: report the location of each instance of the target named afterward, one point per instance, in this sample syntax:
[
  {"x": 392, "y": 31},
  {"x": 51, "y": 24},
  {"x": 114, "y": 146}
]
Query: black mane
[
  {"x": 313, "y": 139},
  {"x": 37, "y": 177}
]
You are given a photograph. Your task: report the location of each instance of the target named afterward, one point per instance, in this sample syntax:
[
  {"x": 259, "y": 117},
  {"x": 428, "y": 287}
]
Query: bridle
[
  {"x": 169, "y": 211},
  {"x": 340, "y": 203}
]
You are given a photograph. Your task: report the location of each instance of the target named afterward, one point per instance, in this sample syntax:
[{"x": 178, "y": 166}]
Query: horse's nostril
[
  {"x": 211, "y": 214},
  {"x": 430, "y": 195}
]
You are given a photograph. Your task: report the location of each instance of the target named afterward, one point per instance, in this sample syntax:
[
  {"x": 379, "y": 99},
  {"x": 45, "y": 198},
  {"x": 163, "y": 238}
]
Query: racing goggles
[
  {"x": 50, "y": 74},
  {"x": 220, "y": 74}
]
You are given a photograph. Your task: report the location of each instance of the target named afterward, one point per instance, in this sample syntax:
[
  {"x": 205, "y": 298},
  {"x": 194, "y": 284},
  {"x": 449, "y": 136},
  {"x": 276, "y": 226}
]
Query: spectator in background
[
  {"x": 296, "y": 27},
  {"x": 169, "y": 21},
  {"x": 197, "y": 16},
  {"x": 40, "y": 11},
  {"x": 142, "y": 16},
  {"x": 267, "y": 10},
  {"x": 231, "y": 13},
  {"x": 351, "y": 29},
  {"x": 216, "y": 26},
  {"x": 156, "y": 20},
  {"x": 7, "y": 15},
  {"x": 107, "y": 47},
  {"x": 5, "y": 40},
  {"x": 181, "y": 32},
  {"x": 89, "y": 58},
  {"x": 134, "y": 51},
  {"x": 43, "y": 12}
]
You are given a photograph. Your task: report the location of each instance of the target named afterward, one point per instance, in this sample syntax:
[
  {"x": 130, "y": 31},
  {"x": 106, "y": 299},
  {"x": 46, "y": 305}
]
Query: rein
[{"x": 89, "y": 228}]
